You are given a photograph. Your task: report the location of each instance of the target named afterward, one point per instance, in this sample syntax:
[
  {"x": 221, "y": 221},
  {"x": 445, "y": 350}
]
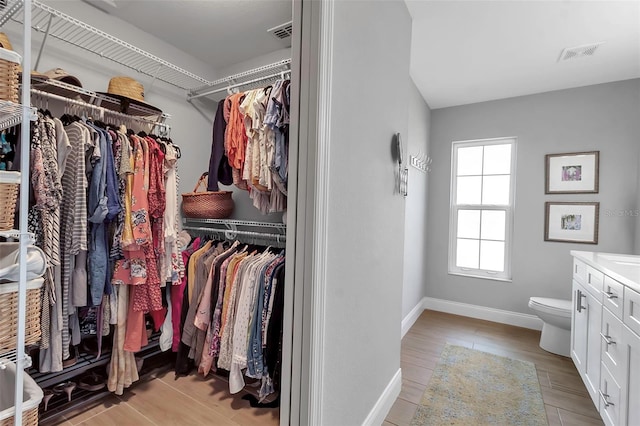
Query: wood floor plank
[
  {"x": 553, "y": 416},
  {"x": 569, "y": 418},
  {"x": 412, "y": 391},
  {"x": 401, "y": 412},
  {"x": 79, "y": 415},
  {"x": 165, "y": 405},
  {"x": 417, "y": 374},
  {"x": 570, "y": 402},
  {"x": 118, "y": 415}
]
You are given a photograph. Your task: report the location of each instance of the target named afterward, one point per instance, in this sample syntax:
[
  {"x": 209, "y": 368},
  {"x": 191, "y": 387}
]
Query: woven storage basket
[
  {"x": 9, "y": 314},
  {"x": 207, "y": 204},
  {"x": 9, "y": 183},
  {"x": 32, "y": 397},
  {"x": 9, "y": 72}
]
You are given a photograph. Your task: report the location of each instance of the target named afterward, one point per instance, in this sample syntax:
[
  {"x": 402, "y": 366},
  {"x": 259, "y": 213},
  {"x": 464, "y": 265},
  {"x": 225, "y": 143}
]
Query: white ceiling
[
  {"x": 218, "y": 32},
  {"x": 462, "y": 51},
  {"x": 472, "y": 51}
]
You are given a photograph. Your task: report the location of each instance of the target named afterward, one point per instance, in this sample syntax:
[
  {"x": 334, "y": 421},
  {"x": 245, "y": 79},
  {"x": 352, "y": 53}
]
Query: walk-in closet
[{"x": 146, "y": 178}]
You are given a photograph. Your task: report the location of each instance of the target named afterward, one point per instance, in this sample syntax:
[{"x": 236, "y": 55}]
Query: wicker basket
[
  {"x": 207, "y": 204},
  {"x": 9, "y": 183},
  {"x": 9, "y": 314},
  {"x": 9, "y": 73},
  {"x": 32, "y": 397}
]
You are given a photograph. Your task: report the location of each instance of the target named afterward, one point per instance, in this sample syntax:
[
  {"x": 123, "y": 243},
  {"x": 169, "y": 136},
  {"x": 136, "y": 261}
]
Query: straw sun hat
[{"x": 129, "y": 90}]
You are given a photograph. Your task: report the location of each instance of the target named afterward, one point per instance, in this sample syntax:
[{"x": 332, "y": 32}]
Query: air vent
[
  {"x": 282, "y": 31},
  {"x": 3, "y": 4},
  {"x": 579, "y": 51}
]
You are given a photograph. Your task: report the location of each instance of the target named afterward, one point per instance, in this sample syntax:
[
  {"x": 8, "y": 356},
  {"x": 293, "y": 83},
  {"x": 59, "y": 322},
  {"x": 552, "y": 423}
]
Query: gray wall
[
  {"x": 602, "y": 117},
  {"x": 636, "y": 212},
  {"x": 366, "y": 216},
  {"x": 415, "y": 235}
]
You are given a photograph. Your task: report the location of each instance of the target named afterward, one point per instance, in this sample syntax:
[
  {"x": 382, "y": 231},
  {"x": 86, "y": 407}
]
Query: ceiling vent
[
  {"x": 282, "y": 31},
  {"x": 579, "y": 51},
  {"x": 3, "y": 4}
]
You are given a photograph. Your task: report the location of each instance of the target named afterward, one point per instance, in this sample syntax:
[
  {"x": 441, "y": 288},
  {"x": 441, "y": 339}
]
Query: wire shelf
[
  {"x": 73, "y": 31},
  {"x": 233, "y": 222},
  {"x": 246, "y": 80},
  {"x": 10, "y": 114},
  {"x": 264, "y": 233}
]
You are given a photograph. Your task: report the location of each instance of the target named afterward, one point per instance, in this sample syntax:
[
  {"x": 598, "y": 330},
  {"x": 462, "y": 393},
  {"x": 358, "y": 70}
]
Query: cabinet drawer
[
  {"x": 579, "y": 271},
  {"x": 632, "y": 309},
  {"x": 612, "y": 346},
  {"x": 609, "y": 395},
  {"x": 594, "y": 282},
  {"x": 613, "y": 295}
]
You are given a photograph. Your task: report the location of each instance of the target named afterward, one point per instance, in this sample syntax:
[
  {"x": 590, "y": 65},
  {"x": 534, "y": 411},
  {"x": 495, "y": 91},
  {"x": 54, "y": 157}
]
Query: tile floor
[
  {"x": 192, "y": 400},
  {"x": 566, "y": 399},
  {"x": 163, "y": 400}
]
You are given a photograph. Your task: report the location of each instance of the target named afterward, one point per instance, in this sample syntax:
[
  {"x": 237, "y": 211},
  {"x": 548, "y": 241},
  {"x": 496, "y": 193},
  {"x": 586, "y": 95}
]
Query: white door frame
[{"x": 307, "y": 216}]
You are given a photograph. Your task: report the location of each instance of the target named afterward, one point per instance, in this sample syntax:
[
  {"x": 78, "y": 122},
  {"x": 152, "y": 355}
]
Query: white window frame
[{"x": 508, "y": 209}]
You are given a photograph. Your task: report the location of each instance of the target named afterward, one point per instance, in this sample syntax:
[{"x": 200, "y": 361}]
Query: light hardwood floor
[
  {"x": 163, "y": 400},
  {"x": 566, "y": 399}
]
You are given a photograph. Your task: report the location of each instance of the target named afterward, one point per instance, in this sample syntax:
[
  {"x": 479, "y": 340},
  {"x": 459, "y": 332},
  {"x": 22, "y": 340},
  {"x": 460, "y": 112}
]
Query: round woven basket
[{"x": 207, "y": 204}]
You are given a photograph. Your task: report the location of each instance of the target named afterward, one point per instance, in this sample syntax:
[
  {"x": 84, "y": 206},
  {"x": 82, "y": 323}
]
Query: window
[{"x": 481, "y": 216}]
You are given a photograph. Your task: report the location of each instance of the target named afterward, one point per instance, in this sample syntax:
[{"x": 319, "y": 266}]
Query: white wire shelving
[
  {"x": 243, "y": 230},
  {"x": 11, "y": 114},
  {"x": 256, "y": 77},
  {"x": 61, "y": 26}
]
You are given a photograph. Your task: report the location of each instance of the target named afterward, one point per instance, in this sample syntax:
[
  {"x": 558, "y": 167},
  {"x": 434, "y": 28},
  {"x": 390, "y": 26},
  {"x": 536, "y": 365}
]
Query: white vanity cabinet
[
  {"x": 605, "y": 333},
  {"x": 585, "y": 342}
]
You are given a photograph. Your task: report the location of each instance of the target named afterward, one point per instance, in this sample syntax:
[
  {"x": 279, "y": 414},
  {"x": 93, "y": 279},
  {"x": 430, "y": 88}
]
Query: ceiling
[
  {"x": 464, "y": 52},
  {"x": 221, "y": 33}
]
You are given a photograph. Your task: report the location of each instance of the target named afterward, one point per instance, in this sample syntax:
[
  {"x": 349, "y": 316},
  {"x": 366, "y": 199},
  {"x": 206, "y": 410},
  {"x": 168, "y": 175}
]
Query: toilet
[{"x": 556, "y": 331}]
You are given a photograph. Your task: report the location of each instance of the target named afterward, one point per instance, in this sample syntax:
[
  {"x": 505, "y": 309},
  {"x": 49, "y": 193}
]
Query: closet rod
[
  {"x": 100, "y": 109},
  {"x": 233, "y": 86},
  {"x": 232, "y": 234}
]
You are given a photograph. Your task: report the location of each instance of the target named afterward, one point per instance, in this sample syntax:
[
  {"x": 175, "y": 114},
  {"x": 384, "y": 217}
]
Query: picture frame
[
  {"x": 572, "y": 173},
  {"x": 571, "y": 222}
]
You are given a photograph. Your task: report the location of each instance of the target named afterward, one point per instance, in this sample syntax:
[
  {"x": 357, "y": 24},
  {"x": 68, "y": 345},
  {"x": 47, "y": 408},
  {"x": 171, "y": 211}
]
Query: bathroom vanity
[{"x": 605, "y": 332}]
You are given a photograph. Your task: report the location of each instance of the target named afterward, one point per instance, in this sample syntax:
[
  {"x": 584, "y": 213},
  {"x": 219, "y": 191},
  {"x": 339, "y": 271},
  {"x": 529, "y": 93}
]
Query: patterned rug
[{"x": 469, "y": 387}]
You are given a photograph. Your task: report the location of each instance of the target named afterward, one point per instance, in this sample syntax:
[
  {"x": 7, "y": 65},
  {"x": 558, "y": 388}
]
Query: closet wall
[{"x": 415, "y": 226}]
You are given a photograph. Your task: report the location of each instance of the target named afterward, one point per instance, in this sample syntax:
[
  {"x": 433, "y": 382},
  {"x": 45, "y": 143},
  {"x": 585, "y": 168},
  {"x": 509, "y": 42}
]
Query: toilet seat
[{"x": 558, "y": 307}]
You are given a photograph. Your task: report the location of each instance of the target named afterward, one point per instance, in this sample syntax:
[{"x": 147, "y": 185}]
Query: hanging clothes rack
[
  {"x": 244, "y": 231},
  {"x": 245, "y": 80},
  {"x": 101, "y": 111}
]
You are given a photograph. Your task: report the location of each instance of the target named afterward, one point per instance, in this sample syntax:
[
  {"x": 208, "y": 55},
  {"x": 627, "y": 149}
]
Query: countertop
[{"x": 624, "y": 268}]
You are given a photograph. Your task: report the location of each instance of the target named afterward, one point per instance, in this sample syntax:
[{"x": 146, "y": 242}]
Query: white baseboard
[
  {"x": 482, "y": 312},
  {"x": 413, "y": 316},
  {"x": 380, "y": 411}
]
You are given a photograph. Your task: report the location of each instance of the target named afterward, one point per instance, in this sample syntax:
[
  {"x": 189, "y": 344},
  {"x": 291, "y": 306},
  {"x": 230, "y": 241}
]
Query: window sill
[{"x": 481, "y": 277}]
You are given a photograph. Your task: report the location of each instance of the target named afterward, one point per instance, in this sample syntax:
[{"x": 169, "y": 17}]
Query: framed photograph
[
  {"x": 571, "y": 222},
  {"x": 572, "y": 173}
]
